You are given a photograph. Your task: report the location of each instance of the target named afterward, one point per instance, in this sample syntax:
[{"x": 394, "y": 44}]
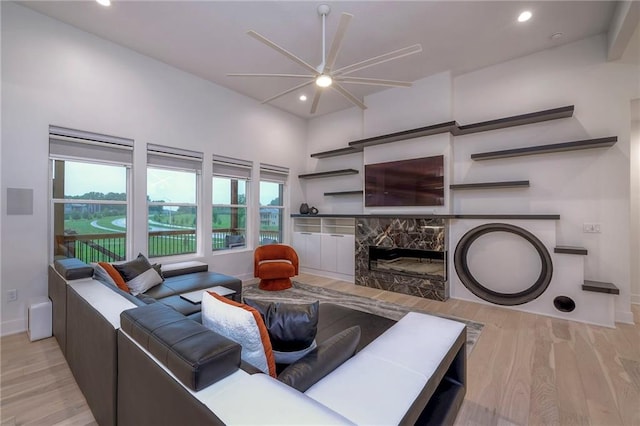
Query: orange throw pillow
[{"x": 115, "y": 276}]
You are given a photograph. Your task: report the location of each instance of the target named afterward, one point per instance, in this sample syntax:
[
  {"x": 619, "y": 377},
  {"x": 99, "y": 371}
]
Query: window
[
  {"x": 272, "y": 183},
  {"x": 89, "y": 194},
  {"x": 230, "y": 185},
  {"x": 172, "y": 197}
]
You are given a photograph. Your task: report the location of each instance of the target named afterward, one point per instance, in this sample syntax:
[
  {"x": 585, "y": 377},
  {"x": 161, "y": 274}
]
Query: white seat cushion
[
  {"x": 104, "y": 300},
  {"x": 379, "y": 384}
]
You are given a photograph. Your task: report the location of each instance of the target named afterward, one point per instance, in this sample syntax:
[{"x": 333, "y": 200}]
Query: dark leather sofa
[{"x": 133, "y": 374}]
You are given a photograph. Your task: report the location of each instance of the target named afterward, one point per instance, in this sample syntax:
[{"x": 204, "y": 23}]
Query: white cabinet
[
  {"x": 338, "y": 253},
  {"x": 326, "y": 245},
  {"x": 307, "y": 245}
]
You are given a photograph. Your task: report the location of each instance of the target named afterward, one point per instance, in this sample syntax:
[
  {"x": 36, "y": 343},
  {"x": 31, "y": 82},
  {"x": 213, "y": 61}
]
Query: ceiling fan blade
[
  {"x": 336, "y": 44},
  {"x": 396, "y": 54},
  {"x": 306, "y": 83},
  {"x": 282, "y": 50},
  {"x": 344, "y": 92},
  {"x": 270, "y": 75},
  {"x": 316, "y": 100},
  {"x": 374, "y": 81}
]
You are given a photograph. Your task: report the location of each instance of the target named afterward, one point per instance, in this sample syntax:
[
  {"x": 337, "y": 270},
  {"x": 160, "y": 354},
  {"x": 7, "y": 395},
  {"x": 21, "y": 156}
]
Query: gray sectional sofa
[{"x": 148, "y": 360}]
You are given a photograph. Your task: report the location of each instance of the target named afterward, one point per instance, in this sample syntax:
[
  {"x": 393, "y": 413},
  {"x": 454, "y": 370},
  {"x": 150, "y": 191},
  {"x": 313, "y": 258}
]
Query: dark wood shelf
[
  {"x": 330, "y": 173},
  {"x": 336, "y": 152},
  {"x": 358, "y": 192},
  {"x": 600, "y": 287},
  {"x": 516, "y": 120},
  {"x": 444, "y": 216},
  {"x": 570, "y": 250},
  {"x": 491, "y": 185},
  {"x": 406, "y": 134},
  {"x": 545, "y": 149},
  {"x": 452, "y": 127}
]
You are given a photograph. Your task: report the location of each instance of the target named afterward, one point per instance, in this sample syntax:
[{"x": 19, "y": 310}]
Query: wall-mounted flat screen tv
[{"x": 416, "y": 182}]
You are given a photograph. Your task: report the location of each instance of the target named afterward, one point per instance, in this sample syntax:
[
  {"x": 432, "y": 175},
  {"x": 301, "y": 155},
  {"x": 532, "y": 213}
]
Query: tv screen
[{"x": 417, "y": 182}]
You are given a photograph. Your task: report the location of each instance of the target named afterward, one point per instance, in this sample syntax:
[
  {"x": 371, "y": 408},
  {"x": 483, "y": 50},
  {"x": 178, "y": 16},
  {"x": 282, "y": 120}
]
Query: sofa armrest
[
  {"x": 315, "y": 365},
  {"x": 72, "y": 269},
  {"x": 196, "y": 355}
]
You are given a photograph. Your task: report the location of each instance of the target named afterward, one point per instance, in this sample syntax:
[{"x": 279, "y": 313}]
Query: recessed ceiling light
[
  {"x": 303, "y": 98},
  {"x": 104, "y": 2},
  {"x": 524, "y": 16}
]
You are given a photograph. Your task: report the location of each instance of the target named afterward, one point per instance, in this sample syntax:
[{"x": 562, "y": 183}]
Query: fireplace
[
  {"x": 403, "y": 254},
  {"x": 411, "y": 262}
]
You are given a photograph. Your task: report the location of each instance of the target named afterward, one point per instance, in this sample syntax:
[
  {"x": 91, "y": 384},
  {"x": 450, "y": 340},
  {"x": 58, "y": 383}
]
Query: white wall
[
  {"x": 581, "y": 186},
  {"x": 55, "y": 74},
  {"x": 635, "y": 202}
]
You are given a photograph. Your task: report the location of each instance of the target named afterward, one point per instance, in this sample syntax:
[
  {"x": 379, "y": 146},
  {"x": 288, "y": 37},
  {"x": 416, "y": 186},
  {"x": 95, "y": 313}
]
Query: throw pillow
[
  {"x": 292, "y": 326},
  {"x": 328, "y": 356},
  {"x": 242, "y": 324},
  {"x": 144, "y": 281},
  {"x": 101, "y": 274},
  {"x": 115, "y": 276},
  {"x": 130, "y": 270}
]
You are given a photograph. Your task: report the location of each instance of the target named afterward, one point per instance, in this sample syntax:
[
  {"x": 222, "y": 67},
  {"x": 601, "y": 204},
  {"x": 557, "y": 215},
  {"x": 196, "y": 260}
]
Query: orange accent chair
[{"x": 275, "y": 264}]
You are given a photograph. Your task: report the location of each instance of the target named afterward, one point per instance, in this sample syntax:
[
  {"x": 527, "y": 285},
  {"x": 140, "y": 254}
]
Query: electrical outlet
[
  {"x": 12, "y": 295},
  {"x": 591, "y": 228}
]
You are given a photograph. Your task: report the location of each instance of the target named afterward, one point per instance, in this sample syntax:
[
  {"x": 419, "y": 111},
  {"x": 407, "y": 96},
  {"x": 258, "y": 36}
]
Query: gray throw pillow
[
  {"x": 130, "y": 270},
  {"x": 328, "y": 356},
  {"x": 291, "y": 326}
]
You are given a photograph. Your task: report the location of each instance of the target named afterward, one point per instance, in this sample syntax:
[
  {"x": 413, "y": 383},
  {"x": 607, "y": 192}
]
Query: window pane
[
  {"x": 86, "y": 228},
  {"x": 90, "y": 232},
  {"x": 229, "y": 224},
  {"x": 171, "y": 224},
  {"x": 89, "y": 181},
  {"x": 172, "y": 230},
  {"x": 229, "y": 191},
  {"x": 271, "y": 193},
  {"x": 229, "y": 228},
  {"x": 171, "y": 186},
  {"x": 270, "y": 225}
]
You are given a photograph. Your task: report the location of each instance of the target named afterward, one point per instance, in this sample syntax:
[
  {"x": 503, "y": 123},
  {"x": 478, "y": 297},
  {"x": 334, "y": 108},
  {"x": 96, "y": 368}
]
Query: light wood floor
[{"x": 526, "y": 369}]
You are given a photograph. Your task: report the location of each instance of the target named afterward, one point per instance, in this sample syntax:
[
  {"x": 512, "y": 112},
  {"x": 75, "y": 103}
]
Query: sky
[{"x": 168, "y": 185}]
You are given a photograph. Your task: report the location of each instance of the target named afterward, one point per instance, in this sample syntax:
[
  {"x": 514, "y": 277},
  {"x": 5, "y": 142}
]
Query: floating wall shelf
[
  {"x": 454, "y": 128},
  {"x": 490, "y": 185},
  {"x": 336, "y": 152},
  {"x": 545, "y": 149},
  {"x": 570, "y": 250},
  {"x": 600, "y": 287},
  {"x": 406, "y": 134},
  {"x": 516, "y": 120},
  {"x": 331, "y": 173},
  {"x": 358, "y": 192}
]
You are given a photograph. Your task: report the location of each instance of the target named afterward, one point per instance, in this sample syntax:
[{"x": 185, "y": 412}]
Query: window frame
[{"x": 78, "y": 146}]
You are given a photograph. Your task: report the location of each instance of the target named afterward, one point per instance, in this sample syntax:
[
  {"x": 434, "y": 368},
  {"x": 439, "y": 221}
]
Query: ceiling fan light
[{"x": 323, "y": 80}]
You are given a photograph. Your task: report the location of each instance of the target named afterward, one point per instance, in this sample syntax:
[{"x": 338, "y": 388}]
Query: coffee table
[{"x": 195, "y": 297}]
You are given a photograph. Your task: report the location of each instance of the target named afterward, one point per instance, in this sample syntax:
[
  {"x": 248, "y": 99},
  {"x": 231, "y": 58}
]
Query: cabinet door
[
  {"x": 328, "y": 258},
  {"x": 307, "y": 245},
  {"x": 346, "y": 252}
]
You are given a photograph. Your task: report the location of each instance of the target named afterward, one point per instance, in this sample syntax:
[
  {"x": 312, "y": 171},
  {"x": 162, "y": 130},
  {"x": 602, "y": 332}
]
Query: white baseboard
[
  {"x": 13, "y": 327},
  {"x": 635, "y": 299},
  {"x": 624, "y": 317}
]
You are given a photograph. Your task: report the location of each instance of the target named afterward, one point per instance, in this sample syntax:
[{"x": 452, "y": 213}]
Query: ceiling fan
[{"x": 324, "y": 75}]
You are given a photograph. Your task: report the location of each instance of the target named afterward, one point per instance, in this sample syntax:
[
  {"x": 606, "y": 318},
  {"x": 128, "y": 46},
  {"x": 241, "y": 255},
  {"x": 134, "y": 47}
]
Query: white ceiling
[{"x": 208, "y": 38}]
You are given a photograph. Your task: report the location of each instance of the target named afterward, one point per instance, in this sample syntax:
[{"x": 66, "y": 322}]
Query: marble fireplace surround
[{"x": 416, "y": 234}]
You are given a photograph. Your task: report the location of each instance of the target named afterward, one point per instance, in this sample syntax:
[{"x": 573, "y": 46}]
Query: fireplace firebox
[{"x": 407, "y": 261}]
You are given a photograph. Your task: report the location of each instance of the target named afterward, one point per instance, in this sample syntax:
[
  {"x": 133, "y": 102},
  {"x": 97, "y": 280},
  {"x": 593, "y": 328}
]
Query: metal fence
[{"x": 112, "y": 247}]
